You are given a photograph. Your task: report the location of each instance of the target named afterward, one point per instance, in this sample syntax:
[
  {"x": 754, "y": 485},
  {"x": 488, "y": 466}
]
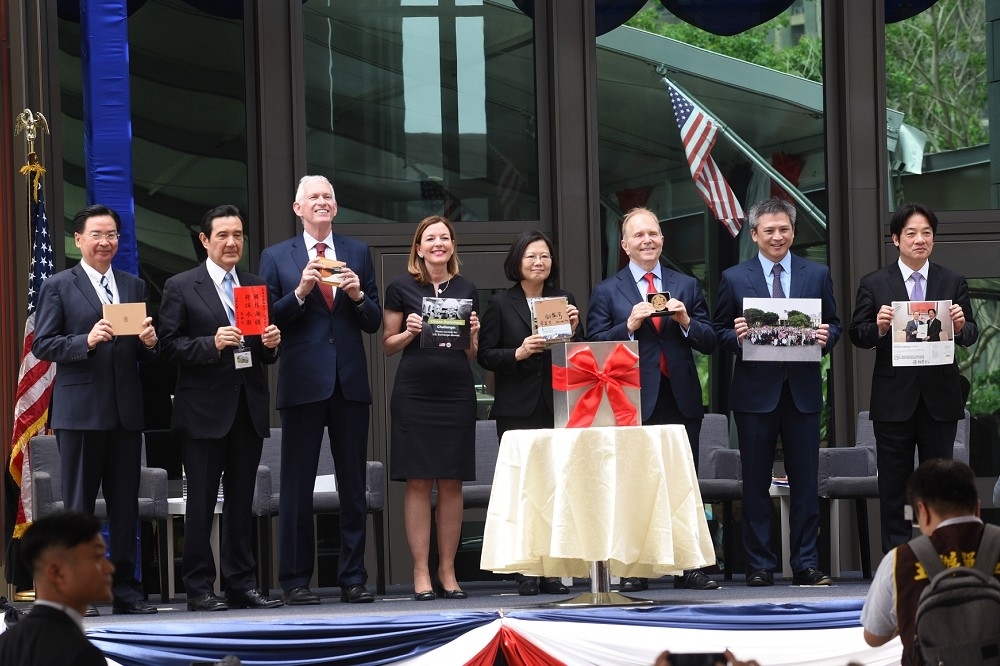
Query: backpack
[{"x": 958, "y": 614}]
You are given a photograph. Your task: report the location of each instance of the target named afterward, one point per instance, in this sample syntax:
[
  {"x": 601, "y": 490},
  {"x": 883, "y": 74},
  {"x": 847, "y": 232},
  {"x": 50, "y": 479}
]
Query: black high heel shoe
[{"x": 448, "y": 594}]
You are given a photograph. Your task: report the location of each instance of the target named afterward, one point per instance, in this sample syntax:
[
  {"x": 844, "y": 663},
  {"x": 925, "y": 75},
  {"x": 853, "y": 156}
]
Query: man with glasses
[
  {"x": 620, "y": 310},
  {"x": 97, "y": 410}
]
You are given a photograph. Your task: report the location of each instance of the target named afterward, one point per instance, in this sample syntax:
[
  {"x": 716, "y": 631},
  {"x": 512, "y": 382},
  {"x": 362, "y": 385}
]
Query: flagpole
[{"x": 749, "y": 152}]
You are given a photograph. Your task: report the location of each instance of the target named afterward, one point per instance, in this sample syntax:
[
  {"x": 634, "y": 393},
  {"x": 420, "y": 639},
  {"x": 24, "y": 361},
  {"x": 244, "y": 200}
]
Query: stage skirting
[{"x": 815, "y": 634}]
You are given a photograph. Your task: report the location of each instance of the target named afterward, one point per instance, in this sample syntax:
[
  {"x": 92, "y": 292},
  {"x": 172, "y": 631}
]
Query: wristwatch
[{"x": 360, "y": 300}]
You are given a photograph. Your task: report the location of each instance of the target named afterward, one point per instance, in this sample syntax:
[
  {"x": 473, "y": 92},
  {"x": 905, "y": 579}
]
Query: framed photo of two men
[{"x": 922, "y": 333}]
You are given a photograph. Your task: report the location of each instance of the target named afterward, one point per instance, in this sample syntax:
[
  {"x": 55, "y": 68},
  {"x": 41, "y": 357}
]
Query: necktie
[
  {"x": 918, "y": 287},
  {"x": 107, "y": 289},
  {"x": 227, "y": 288},
  {"x": 324, "y": 288},
  {"x": 776, "y": 289},
  {"x": 657, "y": 321}
]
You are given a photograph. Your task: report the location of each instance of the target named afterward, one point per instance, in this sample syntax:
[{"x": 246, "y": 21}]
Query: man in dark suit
[
  {"x": 97, "y": 398},
  {"x": 68, "y": 559},
  {"x": 221, "y": 405},
  {"x": 912, "y": 327},
  {"x": 933, "y": 327},
  {"x": 322, "y": 383},
  {"x": 769, "y": 399},
  {"x": 670, "y": 388},
  {"x": 911, "y": 407}
]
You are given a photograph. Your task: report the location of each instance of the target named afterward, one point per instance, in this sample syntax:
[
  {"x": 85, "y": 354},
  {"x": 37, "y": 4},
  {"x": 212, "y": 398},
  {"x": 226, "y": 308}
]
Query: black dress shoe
[
  {"x": 633, "y": 585},
  {"x": 137, "y": 607},
  {"x": 810, "y": 576},
  {"x": 552, "y": 585},
  {"x": 92, "y": 612},
  {"x": 527, "y": 586},
  {"x": 356, "y": 594},
  {"x": 760, "y": 578},
  {"x": 206, "y": 602},
  {"x": 301, "y": 596},
  {"x": 453, "y": 594},
  {"x": 694, "y": 580},
  {"x": 427, "y": 595},
  {"x": 251, "y": 599}
]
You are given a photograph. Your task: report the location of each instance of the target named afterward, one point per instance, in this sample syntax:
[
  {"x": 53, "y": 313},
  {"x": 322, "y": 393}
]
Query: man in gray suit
[{"x": 97, "y": 397}]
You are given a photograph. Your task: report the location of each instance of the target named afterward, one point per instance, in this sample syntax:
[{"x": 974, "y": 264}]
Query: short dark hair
[
  {"x": 772, "y": 206},
  {"x": 907, "y": 210},
  {"x": 512, "y": 264},
  {"x": 929, "y": 310},
  {"x": 62, "y": 529},
  {"x": 947, "y": 486},
  {"x": 225, "y": 210},
  {"x": 95, "y": 210}
]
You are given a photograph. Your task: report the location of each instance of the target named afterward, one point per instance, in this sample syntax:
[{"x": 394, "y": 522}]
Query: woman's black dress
[{"x": 433, "y": 404}]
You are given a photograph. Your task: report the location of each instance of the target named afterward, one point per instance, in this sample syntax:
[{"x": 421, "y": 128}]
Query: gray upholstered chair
[
  {"x": 850, "y": 472},
  {"x": 720, "y": 478},
  {"x": 268, "y": 491},
  {"x": 476, "y": 494},
  {"x": 46, "y": 495}
]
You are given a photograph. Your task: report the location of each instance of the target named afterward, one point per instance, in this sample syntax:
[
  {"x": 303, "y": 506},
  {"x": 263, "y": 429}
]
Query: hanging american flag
[
  {"x": 34, "y": 381},
  {"x": 440, "y": 201},
  {"x": 698, "y": 132}
]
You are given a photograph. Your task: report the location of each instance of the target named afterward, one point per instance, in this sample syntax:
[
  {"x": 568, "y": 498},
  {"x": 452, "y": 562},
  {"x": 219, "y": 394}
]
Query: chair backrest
[
  {"x": 866, "y": 437},
  {"x": 714, "y": 436},
  {"x": 43, "y": 452},
  {"x": 477, "y": 493}
]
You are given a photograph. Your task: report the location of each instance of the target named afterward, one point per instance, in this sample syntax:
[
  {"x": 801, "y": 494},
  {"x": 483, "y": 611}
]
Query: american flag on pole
[
  {"x": 698, "y": 132},
  {"x": 34, "y": 381},
  {"x": 440, "y": 201}
]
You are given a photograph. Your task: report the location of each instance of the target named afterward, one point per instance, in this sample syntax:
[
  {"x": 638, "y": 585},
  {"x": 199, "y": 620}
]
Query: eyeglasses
[
  {"x": 537, "y": 257},
  {"x": 97, "y": 236}
]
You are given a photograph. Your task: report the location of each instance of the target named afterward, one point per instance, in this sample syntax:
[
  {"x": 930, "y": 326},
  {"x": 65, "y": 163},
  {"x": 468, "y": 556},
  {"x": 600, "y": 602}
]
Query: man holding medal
[{"x": 220, "y": 414}]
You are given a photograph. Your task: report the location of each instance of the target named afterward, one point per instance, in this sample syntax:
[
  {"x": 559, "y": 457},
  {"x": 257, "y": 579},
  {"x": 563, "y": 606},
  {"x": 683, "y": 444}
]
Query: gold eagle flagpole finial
[{"x": 30, "y": 123}]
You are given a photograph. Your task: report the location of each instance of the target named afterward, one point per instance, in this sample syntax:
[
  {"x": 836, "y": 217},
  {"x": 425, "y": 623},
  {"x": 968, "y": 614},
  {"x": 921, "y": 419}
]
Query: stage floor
[
  {"x": 492, "y": 596},
  {"x": 779, "y": 625}
]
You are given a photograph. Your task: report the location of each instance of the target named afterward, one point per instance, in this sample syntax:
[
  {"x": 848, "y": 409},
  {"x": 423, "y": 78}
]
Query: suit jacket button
[{"x": 330, "y": 341}]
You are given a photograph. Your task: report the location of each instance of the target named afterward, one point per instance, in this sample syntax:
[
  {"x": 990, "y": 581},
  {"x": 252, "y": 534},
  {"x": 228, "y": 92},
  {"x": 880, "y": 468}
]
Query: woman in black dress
[
  {"x": 521, "y": 362},
  {"x": 433, "y": 404}
]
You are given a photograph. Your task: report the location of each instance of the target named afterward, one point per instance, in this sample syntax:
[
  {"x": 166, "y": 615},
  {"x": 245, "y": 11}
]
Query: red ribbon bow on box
[{"x": 581, "y": 371}]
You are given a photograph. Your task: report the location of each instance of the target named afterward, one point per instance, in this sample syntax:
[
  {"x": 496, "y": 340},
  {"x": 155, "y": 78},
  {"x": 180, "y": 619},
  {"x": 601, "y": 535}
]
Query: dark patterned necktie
[{"x": 776, "y": 290}]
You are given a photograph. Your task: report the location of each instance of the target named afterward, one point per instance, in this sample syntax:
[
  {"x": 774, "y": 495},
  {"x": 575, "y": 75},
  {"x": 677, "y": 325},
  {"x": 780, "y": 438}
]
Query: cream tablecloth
[{"x": 563, "y": 498}]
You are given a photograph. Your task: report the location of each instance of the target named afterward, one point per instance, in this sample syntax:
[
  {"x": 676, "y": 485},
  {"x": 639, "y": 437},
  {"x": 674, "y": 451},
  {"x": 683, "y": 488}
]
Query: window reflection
[
  {"x": 189, "y": 143},
  {"x": 419, "y": 107}
]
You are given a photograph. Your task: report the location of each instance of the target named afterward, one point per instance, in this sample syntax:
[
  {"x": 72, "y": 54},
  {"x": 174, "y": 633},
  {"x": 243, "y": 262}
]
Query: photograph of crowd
[{"x": 782, "y": 329}]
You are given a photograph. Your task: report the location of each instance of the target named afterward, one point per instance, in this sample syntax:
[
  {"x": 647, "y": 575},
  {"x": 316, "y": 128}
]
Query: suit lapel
[
  {"x": 519, "y": 304},
  {"x": 756, "y": 282},
  {"x": 205, "y": 288},
  {"x": 797, "y": 279},
  {"x": 86, "y": 287},
  {"x": 895, "y": 283}
]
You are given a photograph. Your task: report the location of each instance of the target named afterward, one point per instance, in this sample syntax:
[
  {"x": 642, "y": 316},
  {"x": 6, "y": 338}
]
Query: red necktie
[
  {"x": 324, "y": 288},
  {"x": 657, "y": 322}
]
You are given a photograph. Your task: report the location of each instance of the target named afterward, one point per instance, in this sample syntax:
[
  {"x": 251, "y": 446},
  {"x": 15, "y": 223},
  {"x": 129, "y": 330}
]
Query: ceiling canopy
[{"x": 721, "y": 17}]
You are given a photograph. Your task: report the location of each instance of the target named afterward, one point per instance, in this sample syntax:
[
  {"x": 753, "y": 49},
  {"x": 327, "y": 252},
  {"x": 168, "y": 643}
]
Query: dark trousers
[
  {"x": 666, "y": 412},
  {"x": 895, "y": 444},
  {"x": 90, "y": 460},
  {"x": 542, "y": 417},
  {"x": 302, "y": 426},
  {"x": 237, "y": 454},
  {"x": 758, "y": 435}
]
